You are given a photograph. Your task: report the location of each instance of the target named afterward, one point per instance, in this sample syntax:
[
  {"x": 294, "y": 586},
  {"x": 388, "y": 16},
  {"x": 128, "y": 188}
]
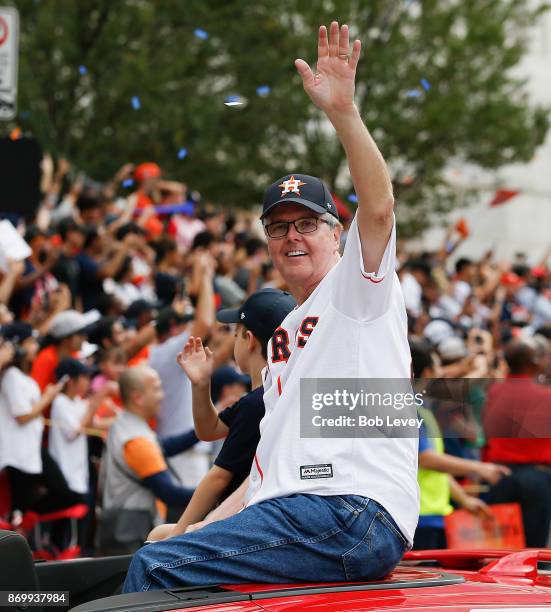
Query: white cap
[
  {"x": 87, "y": 350},
  {"x": 452, "y": 348},
  {"x": 70, "y": 322},
  {"x": 436, "y": 331}
]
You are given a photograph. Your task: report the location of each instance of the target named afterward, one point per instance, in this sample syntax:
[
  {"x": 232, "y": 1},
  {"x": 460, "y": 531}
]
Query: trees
[{"x": 83, "y": 62}]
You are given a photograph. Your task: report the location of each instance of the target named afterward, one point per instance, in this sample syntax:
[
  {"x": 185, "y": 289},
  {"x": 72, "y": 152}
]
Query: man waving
[{"x": 328, "y": 509}]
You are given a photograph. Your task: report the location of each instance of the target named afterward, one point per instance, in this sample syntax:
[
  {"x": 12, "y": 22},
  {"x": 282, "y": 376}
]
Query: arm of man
[
  {"x": 209, "y": 492},
  {"x": 174, "y": 445},
  {"x": 441, "y": 462},
  {"x": 332, "y": 90},
  {"x": 205, "y": 312},
  {"x": 146, "y": 460}
]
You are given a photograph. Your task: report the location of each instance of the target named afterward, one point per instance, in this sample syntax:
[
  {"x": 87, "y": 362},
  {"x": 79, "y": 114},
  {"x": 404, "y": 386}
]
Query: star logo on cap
[{"x": 291, "y": 186}]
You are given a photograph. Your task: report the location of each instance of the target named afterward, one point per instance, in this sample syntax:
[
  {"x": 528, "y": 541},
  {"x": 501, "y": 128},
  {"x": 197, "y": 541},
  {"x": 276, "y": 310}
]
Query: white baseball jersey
[{"x": 353, "y": 325}]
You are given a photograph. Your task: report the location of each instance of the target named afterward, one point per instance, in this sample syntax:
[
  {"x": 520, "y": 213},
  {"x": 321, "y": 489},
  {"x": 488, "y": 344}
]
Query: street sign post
[{"x": 9, "y": 53}]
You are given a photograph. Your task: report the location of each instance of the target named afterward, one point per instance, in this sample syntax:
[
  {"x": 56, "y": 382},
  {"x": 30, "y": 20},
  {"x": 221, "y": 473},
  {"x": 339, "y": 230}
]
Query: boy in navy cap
[
  {"x": 257, "y": 320},
  {"x": 71, "y": 415}
]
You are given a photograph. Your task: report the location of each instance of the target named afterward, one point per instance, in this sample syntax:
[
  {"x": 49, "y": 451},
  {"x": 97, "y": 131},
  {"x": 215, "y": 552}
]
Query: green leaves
[{"x": 475, "y": 111}]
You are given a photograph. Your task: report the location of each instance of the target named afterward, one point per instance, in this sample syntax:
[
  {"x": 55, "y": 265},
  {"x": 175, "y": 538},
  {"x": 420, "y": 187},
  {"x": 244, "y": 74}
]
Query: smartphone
[{"x": 64, "y": 380}]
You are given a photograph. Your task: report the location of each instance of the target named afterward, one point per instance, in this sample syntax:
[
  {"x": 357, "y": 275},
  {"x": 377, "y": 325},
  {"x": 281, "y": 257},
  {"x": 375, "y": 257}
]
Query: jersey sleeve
[
  {"x": 144, "y": 457},
  {"x": 361, "y": 295}
]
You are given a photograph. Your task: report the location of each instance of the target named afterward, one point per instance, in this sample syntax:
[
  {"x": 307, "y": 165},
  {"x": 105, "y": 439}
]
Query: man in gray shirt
[{"x": 175, "y": 415}]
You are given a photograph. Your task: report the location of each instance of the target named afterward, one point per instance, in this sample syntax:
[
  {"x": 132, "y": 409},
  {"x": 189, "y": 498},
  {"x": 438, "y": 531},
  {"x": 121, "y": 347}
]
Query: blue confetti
[
  {"x": 352, "y": 198},
  {"x": 83, "y": 70},
  {"x": 182, "y": 153},
  {"x": 413, "y": 93},
  {"x": 201, "y": 34},
  {"x": 24, "y": 114},
  {"x": 136, "y": 104},
  {"x": 425, "y": 84},
  {"x": 127, "y": 182},
  {"x": 263, "y": 90}
]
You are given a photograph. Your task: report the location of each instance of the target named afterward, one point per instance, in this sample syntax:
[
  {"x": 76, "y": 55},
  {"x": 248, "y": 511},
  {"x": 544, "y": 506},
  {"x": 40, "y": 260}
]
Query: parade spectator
[
  {"x": 72, "y": 414},
  {"x": 437, "y": 469},
  {"x": 66, "y": 268},
  {"x": 174, "y": 326},
  {"x": 35, "y": 479},
  {"x": 134, "y": 471},
  {"x": 67, "y": 332},
  {"x": 518, "y": 432},
  {"x": 33, "y": 288}
]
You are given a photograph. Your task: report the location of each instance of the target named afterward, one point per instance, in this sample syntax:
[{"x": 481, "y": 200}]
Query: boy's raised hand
[{"x": 196, "y": 361}]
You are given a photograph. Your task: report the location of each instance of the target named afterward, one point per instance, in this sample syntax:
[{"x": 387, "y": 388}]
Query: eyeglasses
[{"x": 279, "y": 229}]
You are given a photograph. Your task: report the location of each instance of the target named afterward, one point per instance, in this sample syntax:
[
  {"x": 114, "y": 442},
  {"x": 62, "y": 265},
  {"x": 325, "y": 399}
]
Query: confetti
[
  {"x": 413, "y": 93},
  {"x": 263, "y": 91},
  {"x": 182, "y": 153},
  {"x": 136, "y": 104},
  {"x": 15, "y": 134},
  {"x": 201, "y": 34},
  {"x": 234, "y": 101},
  {"x": 83, "y": 70},
  {"x": 127, "y": 182},
  {"x": 425, "y": 84},
  {"x": 352, "y": 198}
]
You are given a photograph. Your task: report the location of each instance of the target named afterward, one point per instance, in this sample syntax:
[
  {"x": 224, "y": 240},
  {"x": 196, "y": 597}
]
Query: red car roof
[{"x": 488, "y": 580}]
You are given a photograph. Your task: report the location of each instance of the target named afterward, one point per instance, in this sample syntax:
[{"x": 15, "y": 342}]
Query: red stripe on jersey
[
  {"x": 258, "y": 468},
  {"x": 279, "y": 389},
  {"x": 370, "y": 278}
]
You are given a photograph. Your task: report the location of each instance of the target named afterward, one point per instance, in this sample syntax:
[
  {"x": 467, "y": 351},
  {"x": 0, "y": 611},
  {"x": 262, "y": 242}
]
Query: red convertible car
[{"x": 450, "y": 580}]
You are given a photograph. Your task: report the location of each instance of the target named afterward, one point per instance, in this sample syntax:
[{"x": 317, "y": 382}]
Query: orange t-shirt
[
  {"x": 144, "y": 457},
  {"x": 43, "y": 370},
  {"x": 141, "y": 356}
]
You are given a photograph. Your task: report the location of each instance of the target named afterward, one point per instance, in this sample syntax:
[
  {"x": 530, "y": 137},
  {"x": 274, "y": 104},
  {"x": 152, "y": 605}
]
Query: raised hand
[
  {"x": 196, "y": 361},
  {"x": 331, "y": 88}
]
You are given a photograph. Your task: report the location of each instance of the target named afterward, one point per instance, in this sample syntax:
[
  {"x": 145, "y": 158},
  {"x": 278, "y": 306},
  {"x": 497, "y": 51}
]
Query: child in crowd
[
  {"x": 257, "y": 320},
  {"x": 71, "y": 415}
]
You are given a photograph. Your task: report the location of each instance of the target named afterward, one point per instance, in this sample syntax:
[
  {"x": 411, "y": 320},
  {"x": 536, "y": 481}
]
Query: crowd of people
[
  {"x": 94, "y": 319},
  {"x": 147, "y": 334}
]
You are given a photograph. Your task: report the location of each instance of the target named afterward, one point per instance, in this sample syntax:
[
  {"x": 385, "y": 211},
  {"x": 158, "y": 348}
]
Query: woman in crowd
[{"x": 35, "y": 479}]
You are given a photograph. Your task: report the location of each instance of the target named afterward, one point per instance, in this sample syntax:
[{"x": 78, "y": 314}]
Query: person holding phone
[{"x": 30, "y": 468}]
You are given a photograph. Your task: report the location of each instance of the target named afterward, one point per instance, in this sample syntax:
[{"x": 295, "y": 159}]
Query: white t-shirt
[
  {"x": 175, "y": 415},
  {"x": 67, "y": 445},
  {"x": 19, "y": 444},
  {"x": 413, "y": 294},
  {"x": 359, "y": 325},
  {"x": 461, "y": 291}
]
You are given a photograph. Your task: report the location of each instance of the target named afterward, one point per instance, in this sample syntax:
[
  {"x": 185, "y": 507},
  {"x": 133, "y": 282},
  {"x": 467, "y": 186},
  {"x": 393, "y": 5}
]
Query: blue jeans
[{"x": 301, "y": 538}]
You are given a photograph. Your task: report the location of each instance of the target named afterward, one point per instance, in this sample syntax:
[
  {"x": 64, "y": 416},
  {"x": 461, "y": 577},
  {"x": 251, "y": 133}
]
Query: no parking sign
[{"x": 9, "y": 51}]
